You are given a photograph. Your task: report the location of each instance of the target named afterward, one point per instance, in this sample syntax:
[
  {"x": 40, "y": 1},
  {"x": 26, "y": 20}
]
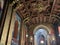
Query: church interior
[{"x": 29, "y": 22}]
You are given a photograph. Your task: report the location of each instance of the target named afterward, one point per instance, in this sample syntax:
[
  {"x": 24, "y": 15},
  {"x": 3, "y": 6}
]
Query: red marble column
[{"x": 15, "y": 29}]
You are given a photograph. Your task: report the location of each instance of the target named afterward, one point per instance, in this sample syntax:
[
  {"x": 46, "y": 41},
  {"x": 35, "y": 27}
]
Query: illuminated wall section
[{"x": 59, "y": 30}]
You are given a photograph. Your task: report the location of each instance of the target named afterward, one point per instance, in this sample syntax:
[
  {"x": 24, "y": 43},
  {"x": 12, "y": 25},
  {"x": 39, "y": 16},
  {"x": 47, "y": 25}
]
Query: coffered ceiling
[{"x": 37, "y": 11}]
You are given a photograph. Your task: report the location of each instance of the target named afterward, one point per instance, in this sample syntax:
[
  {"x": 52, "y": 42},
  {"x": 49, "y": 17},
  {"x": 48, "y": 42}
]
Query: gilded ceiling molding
[
  {"x": 26, "y": 20},
  {"x": 15, "y": 1}
]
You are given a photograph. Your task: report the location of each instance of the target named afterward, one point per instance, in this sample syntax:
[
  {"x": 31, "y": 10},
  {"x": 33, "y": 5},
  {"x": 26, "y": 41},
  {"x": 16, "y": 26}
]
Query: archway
[{"x": 43, "y": 36}]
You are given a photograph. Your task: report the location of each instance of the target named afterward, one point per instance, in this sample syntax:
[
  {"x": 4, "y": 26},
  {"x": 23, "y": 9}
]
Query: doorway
[{"x": 42, "y": 36}]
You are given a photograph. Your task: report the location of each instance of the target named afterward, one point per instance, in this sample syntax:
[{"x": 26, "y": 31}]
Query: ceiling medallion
[{"x": 40, "y": 7}]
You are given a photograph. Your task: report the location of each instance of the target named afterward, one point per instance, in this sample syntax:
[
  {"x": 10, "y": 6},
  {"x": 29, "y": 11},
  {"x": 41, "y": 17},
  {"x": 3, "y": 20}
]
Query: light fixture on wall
[
  {"x": 59, "y": 35},
  {"x": 42, "y": 41},
  {"x": 31, "y": 38},
  {"x": 26, "y": 35},
  {"x": 53, "y": 38}
]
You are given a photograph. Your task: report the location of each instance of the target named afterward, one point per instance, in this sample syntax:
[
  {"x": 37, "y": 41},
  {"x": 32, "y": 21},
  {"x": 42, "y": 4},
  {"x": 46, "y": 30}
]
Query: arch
[
  {"x": 48, "y": 37},
  {"x": 41, "y": 26},
  {"x": 39, "y": 32}
]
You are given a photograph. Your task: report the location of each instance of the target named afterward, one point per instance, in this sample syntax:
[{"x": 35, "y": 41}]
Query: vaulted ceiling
[{"x": 37, "y": 11}]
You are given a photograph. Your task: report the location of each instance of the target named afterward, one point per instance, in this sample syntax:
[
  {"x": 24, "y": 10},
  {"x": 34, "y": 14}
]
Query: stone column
[
  {"x": 3, "y": 16},
  {"x": 20, "y": 33},
  {"x": 26, "y": 38},
  {"x": 11, "y": 29},
  {"x": 23, "y": 35},
  {"x": 6, "y": 26}
]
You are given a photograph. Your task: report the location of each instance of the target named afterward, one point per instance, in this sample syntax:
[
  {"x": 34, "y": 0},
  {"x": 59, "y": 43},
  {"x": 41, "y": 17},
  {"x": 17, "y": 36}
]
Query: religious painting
[{"x": 15, "y": 37}]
